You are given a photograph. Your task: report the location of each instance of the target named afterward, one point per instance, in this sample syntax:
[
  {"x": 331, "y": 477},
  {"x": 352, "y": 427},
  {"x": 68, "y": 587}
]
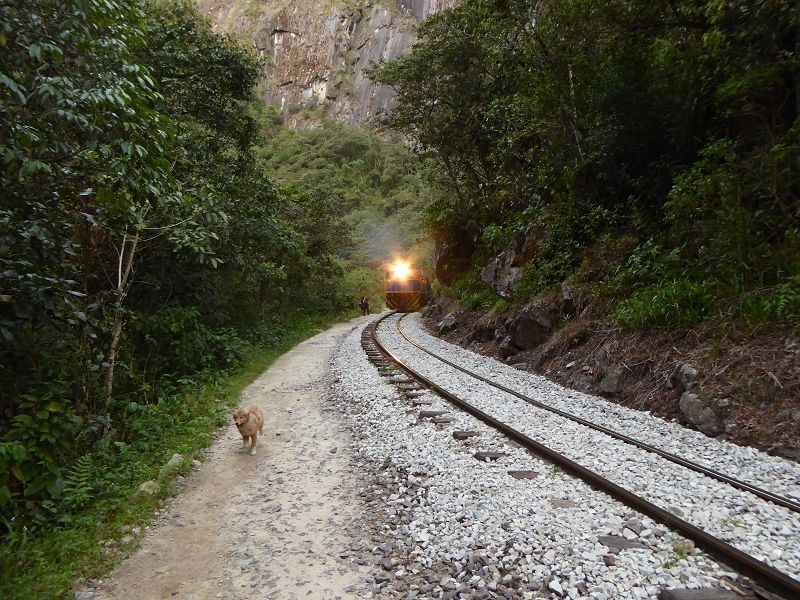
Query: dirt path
[{"x": 269, "y": 526}]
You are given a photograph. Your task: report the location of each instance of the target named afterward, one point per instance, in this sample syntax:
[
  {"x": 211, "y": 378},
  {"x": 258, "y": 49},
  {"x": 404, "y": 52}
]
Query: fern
[{"x": 78, "y": 484}]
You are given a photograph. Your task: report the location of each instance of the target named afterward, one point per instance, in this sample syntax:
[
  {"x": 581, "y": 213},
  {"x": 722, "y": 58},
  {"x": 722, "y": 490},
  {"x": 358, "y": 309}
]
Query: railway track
[{"x": 768, "y": 578}]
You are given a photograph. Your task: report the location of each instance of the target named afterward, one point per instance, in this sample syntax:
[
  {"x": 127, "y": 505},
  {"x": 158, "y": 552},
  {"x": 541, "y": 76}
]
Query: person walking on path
[{"x": 364, "y": 305}]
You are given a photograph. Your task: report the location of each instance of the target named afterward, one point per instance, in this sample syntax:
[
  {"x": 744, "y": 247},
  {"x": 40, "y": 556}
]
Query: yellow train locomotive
[{"x": 406, "y": 289}]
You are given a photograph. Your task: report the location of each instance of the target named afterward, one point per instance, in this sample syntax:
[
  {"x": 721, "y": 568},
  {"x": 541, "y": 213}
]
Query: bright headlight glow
[{"x": 400, "y": 270}]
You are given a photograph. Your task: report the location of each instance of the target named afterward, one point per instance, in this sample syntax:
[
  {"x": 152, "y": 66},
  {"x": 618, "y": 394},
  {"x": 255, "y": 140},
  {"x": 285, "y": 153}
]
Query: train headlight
[{"x": 400, "y": 271}]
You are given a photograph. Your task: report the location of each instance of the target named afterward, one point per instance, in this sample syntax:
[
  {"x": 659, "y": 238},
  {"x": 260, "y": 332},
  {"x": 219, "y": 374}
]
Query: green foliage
[
  {"x": 473, "y": 293},
  {"x": 648, "y": 264},
  {"x": 179, "y": 342},
  {"x": 780, "y": 303},
  {"x": 362, "y": 281},
  {"x": 79, "y": 485},
  {"x": 34, "y": 448},
  {"x": 672, "y": 123},
  {"x": 377, "y": 186},
  {"x": 673, "y": 304},
  {"x": 142, "y": 243}
]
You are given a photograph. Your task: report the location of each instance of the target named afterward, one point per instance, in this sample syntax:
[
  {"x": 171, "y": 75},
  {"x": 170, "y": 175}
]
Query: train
[{"x": 406, "y": 289}]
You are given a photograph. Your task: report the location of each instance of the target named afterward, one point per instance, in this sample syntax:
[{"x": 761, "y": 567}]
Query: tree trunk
[{"x": 124, "y": 268}]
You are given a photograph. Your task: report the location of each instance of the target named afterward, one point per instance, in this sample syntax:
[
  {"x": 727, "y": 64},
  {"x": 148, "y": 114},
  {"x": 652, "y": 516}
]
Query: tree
[
  {"x": 676, "y": 120},
  {"x": 83, "y": 161}
]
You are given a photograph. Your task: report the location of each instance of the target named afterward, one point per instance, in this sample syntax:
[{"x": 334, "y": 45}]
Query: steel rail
[
  {"x": 707, "y": 471},
  {"x": 765, "y": 575}
]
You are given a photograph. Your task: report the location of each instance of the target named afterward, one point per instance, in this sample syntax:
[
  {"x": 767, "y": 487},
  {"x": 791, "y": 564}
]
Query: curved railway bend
[{"x": 680, "y": 488}]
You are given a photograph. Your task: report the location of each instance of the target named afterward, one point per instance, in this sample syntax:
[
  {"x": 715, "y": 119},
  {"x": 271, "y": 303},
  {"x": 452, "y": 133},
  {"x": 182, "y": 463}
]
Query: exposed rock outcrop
[
  {"x": 568, "y": 305},
  {"x": 683, "y": 377},
  {"x": 317, "y": 53},
  {"x": 504, "y": 271},
  {"x": 614, "y": 380},
  {"x": 482, "y": 333}
]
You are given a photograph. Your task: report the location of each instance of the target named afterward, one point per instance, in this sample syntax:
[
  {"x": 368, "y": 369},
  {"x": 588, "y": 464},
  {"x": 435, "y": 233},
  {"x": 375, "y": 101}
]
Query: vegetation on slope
[
  {"x": 377, "y": 186},
  {"x": 655, "y": 142}
]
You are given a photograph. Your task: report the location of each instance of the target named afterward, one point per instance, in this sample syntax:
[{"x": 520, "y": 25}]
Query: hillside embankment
[{"x": 730, "y": 383}]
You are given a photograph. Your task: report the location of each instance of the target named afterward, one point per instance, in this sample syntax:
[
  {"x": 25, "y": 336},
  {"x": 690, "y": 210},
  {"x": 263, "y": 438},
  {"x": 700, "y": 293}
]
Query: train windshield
[{"x": 407, "y": 285}]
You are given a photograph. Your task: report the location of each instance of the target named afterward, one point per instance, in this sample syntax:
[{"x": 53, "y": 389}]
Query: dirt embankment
[{"x": 741, "y": 385}]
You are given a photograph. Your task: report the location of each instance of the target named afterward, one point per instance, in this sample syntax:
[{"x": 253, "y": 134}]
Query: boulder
[
  {"x": 448, "y": 324},
  {"x": 581, "y": 381},
  {"x": 501, "y": 276},
  {"x": 701, "y": 415},
  {"x": 683, "y": 377},
  {"x": 529, "y": 242},
  {"x": 724, "y": 407},
  {"x": 174, "y": 461},
  {"x": 613, "y": 381},
  {"x": 148, "y": 488},
  {"x": 601, "y": 361},
  {"x": 532, "y": 326}
]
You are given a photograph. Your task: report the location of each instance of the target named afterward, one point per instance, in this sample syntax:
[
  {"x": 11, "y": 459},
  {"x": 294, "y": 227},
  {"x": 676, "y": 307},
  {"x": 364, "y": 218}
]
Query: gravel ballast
[
  {"x": 455, "y": 526},
  {"x": 772, "y": 473},
  {"x": 769, "y": 533}
]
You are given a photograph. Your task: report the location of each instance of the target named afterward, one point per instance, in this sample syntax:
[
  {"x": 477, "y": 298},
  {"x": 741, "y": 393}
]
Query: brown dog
[{"x": 250, "y": 424}]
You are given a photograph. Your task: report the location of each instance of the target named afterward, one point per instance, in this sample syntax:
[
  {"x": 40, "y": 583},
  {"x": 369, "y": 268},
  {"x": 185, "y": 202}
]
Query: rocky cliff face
[{"x": 316, "y": 52}]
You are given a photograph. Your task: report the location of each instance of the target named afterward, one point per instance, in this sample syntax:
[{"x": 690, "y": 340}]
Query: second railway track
[{"x": 776, "y": 569}]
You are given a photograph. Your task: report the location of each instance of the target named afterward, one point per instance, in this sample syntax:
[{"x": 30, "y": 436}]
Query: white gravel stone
[
  {"x": 469, "y": 523},
  {"x": 744, "y": 520}
]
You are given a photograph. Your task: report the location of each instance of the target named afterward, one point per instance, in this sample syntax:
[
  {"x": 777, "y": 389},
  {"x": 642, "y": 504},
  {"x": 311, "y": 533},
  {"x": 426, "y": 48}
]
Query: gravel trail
[{"x": 270, "y": 526}]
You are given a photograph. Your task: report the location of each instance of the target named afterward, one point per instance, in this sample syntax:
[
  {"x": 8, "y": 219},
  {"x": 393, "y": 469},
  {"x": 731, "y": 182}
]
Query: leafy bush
[
  {"x": 648, "y": 264},
  {"x": 32, "y": 454},
  {"x": 672, "y": 304},
  {"x": 556, "y": 257},
  {"x": 177, "y": 341},
  {"x": 780, "y": 303},
  {"x": 78, "y": 485}
]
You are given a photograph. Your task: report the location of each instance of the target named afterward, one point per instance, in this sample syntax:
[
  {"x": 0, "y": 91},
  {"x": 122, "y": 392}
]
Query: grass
[{"x": 43, "y": 561}]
